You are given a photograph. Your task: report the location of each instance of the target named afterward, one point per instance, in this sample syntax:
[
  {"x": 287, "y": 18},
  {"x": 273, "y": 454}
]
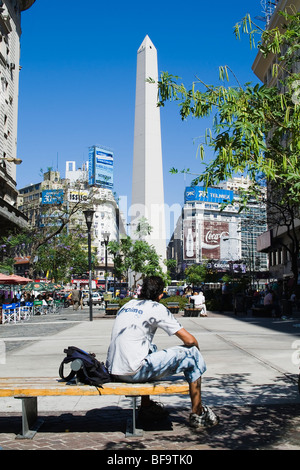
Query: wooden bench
[
  {"x": 173, "y": 307},
  {"x": 191, "y": 311},
  {"x": 112, "y": 309},
  {"x": 29, "y": 389}
]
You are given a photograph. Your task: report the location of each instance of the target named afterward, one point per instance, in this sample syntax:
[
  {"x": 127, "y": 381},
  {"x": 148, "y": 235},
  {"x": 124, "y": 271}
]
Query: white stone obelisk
[{"x": 147, "y": 176}]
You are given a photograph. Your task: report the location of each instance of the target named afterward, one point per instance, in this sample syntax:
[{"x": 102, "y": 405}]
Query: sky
[{"x": 77, "y": 82}]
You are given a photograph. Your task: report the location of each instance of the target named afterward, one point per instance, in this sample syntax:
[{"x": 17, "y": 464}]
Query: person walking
[
  {"x": 75, "y": 298},
  {"x": 81, "y": 297}
]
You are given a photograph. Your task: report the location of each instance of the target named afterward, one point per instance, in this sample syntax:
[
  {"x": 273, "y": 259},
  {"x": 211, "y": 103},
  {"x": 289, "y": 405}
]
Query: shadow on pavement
[{"x": 240, "y": 428}]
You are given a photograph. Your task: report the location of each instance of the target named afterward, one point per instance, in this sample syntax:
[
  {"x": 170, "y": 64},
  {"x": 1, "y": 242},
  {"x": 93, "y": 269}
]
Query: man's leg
[
  {"x": 201, "y": 416},
  {"x": 195, "y": 395},
  {"x": 174, "y": 364}
]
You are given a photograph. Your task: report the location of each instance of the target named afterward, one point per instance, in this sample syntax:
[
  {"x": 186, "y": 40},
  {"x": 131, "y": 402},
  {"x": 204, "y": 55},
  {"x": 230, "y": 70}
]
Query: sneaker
[
  {"x": 206, "y": 419},
  {"x": 153, "y": 412}
]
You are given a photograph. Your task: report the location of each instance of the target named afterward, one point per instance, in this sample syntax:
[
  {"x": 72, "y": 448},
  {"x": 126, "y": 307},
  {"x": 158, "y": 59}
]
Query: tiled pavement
[
  {"x": 269, "y": 426},
  {"x": 247, "y": 428}
]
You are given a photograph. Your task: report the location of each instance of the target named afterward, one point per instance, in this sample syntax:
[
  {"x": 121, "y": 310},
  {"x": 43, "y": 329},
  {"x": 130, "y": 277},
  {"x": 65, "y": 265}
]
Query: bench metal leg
[
  {"x": 30, "y": 421},
  {"x": 131, "y": 430}
]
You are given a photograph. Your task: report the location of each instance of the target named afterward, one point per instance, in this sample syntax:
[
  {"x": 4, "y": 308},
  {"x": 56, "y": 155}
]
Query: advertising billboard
[
  {"x": 52, "y": 196},
  {"x": 189, "y": 240},
  {"x": 78, "y": 195},
  {"x": 213, "y": 233},
  {"x": 101, "y": 166},
  {"x": 217, "y": 195}
]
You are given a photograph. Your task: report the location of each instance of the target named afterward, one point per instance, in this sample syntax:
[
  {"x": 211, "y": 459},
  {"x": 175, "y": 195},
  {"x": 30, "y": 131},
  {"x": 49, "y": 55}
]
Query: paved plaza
[{"x": 251, "y": 383}]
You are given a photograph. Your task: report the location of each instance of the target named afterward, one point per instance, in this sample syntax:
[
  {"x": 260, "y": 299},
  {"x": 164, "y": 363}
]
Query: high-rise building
[
  {"x": 206, "y": 232},
  {"x": 147, "y": 176},
  {"x": 41, "y": 201},
  {"x": 10, "y": 32}
]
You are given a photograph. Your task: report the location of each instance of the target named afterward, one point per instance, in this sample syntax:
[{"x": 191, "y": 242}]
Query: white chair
[{"x": 25, "y": 311}]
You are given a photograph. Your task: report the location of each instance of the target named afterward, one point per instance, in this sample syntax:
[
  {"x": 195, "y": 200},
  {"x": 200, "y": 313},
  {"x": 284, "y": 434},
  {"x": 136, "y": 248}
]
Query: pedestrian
[
  {"x": 271, "y": 303},
  {"x": 188, "y": 292},
  {"x": 75, "y": 298},
  {"x": 81, "y": 295},
  {"x": 133, "y": 358}
]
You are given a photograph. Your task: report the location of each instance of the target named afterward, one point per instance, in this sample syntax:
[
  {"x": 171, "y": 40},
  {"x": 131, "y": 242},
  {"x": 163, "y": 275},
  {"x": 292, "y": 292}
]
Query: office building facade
[
  {"x": 224, "y": 238},
  {"x": 277, "y": 242},
  {"x": 10, "y": 33}
]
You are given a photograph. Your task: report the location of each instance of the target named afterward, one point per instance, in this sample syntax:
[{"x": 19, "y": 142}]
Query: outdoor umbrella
[
  {"x": 19, "y": 279},
  {"x": 54, "y": 286},
  {"x": 37, "y": 286},
  {"x": 4, "y": 278},
  {"x": 13, "y": 279}
]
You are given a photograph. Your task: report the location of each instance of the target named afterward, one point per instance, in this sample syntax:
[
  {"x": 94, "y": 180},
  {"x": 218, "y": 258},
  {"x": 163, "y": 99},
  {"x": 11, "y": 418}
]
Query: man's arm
[{"x": 187, "y": 338}]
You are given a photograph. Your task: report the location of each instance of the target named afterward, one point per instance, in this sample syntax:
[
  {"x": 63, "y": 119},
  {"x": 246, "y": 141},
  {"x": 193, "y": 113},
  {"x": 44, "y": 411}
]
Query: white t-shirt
[
  {"x": 133, "y": 332},
  {"x": 268, "y": 300},
  {"x": 198, "y": 299}
]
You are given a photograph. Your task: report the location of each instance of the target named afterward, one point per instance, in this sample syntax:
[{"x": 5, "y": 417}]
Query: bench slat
[{"x": 36, "y": 387}]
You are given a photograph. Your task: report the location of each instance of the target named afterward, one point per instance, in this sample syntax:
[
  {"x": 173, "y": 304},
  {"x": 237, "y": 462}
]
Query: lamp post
[
  {"x": 106, "y": 240},
  {"x": 89, "y": 214}
]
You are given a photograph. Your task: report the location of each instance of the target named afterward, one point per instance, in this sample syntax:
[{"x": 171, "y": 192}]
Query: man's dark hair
[{"x": 152, "y": 287}]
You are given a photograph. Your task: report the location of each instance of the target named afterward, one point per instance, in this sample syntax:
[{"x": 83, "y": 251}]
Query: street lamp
[
  {"x": 89, "y": 214},
  {"x": 16, "y": 161},
  {"x": 106, "y": 236}
]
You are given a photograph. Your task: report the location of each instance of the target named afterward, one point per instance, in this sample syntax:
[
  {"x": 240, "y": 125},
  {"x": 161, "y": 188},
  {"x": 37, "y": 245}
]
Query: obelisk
[{"x": 147, "y": 175}]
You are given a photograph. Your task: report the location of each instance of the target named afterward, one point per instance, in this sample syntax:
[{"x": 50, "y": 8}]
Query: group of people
[
  {"x": 132, "y": 356},
  {"x": 26, "y": 297}
]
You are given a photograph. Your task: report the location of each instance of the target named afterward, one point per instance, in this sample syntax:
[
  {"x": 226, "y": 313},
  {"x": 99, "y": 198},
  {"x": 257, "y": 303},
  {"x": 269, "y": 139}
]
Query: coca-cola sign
[{"x": 213, "y": 232}]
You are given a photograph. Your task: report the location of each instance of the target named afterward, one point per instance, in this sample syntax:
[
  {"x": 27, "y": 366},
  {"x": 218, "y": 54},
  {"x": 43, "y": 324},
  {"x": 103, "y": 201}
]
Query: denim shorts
[{"x": 160, "y": 364}]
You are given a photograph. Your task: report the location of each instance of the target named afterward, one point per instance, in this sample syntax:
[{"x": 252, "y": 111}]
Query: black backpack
[{"x": 85, "y": 367}]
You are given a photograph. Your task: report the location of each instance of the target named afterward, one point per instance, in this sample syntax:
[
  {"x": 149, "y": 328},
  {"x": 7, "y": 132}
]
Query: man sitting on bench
[{"x": 133, "y": 358}]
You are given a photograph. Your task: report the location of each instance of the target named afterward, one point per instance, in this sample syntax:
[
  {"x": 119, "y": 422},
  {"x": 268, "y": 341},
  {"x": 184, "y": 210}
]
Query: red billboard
[{"x": 212, "y": 232}]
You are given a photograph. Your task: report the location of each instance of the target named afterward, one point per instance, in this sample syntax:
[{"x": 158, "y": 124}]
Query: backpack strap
[{"x": 61, "y": 371}]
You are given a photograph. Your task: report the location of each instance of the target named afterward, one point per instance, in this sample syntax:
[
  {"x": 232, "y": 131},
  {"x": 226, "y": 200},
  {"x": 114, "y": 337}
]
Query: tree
[
  {"x": 199, "y": 273},
  {"x": 121, "y": 252},
  {"x": 171, "y": 267},
  {"x": 137, "y": 257},
  {"x": 195, "y": 274},
  {"x": 250, "y": 123},
  {"x": 64, "y": 255},
  {"x": 9, "y": 245},
  {"x": 255, "y": 130},
  {"x": 55, "y": 219}
]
